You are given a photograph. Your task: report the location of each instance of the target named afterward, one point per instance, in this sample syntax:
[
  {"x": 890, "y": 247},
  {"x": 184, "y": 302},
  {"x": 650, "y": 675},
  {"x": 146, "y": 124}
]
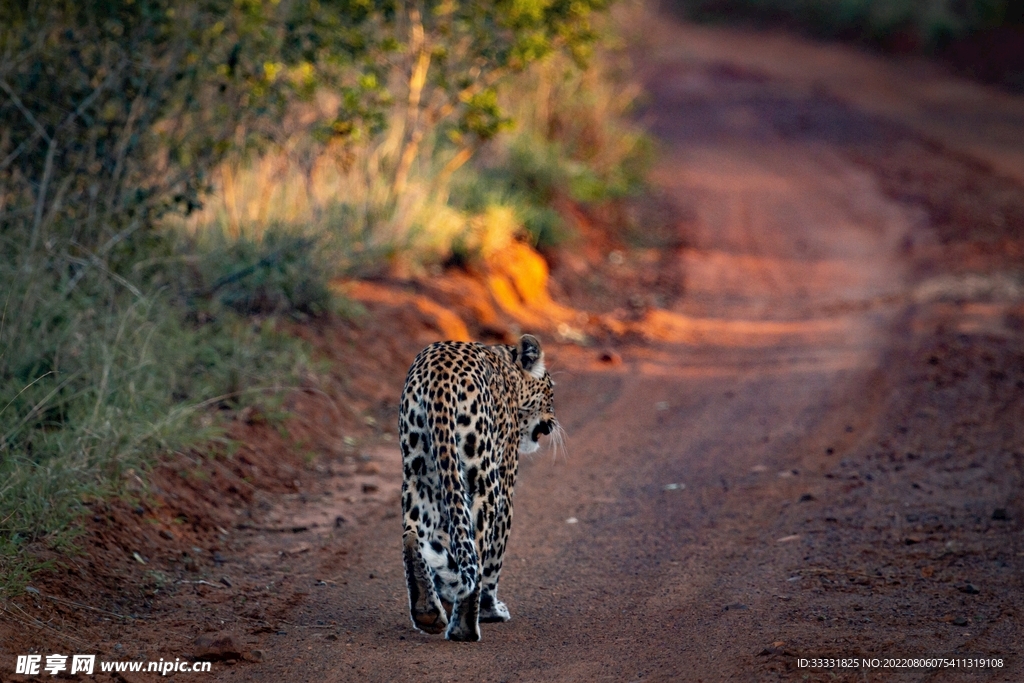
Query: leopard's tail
[{"x": 457, "y": 566}]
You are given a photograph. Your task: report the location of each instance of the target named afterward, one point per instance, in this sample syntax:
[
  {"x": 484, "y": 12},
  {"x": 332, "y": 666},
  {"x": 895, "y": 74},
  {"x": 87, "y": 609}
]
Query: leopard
[{"x": 467, "y": 412}]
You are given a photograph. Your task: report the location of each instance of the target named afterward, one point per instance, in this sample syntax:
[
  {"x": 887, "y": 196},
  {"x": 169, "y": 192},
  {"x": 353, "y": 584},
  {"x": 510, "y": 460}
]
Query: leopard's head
[{"x": 536, "y": 407}]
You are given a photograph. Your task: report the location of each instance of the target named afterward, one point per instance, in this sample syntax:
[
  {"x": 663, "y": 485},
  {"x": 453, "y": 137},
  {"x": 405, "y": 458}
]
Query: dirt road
[{"x": 775, "y": 475}]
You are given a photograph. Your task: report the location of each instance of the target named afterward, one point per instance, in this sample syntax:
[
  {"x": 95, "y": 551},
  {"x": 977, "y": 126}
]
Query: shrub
[{"x": 280, "y": 272}]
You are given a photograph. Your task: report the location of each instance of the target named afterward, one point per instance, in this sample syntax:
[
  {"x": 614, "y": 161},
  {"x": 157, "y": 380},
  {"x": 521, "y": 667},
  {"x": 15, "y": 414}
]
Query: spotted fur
[{"x": 467, "y": 412}]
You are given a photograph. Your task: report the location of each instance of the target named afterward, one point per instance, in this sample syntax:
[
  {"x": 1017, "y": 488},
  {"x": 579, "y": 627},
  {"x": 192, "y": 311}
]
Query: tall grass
[
  {"x": 103, "y": 380},
  {"x": 340, "y": 195}
]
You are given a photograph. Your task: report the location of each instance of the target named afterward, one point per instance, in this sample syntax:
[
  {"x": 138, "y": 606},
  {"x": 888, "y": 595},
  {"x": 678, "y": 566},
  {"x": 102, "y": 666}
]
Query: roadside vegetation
[{"x": 178, "y": 178}]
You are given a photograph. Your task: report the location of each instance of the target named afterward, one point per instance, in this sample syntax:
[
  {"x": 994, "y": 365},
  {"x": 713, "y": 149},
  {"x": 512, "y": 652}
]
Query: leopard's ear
[{"x": 531, "y": 357}]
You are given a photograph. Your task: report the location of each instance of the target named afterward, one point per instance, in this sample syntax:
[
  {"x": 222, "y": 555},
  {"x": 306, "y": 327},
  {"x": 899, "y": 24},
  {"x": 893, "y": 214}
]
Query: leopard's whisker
[{"x": 559, "y": 449}]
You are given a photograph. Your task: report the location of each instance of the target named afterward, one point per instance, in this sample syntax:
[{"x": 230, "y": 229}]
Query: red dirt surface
[{"x": 795, "y": 412}]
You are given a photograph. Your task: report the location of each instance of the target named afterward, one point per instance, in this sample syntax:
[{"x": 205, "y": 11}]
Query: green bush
[{"x": 279, "y": 273}]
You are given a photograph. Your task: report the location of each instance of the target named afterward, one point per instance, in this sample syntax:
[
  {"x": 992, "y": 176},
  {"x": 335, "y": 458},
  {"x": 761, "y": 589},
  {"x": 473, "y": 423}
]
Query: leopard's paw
[
  {"x": 432, "y": 621},
  {"x": 493, "y": 612}
]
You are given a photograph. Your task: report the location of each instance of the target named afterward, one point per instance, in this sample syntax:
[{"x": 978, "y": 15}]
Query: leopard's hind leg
[
  {"x": 491, "y": 608},
  {"x": 424, "y": 605},
  {"x": 465, "y": 621}
]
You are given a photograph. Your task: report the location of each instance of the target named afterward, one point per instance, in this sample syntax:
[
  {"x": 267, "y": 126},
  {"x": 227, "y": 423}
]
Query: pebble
[
  {"x": 219, "y": 646},
  {"x": 368, "y": 468}
]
